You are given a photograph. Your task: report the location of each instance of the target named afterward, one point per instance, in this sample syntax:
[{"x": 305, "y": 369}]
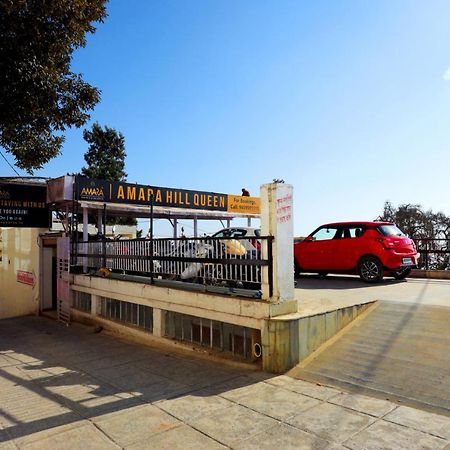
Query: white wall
[{"x": 19, "y": 250}]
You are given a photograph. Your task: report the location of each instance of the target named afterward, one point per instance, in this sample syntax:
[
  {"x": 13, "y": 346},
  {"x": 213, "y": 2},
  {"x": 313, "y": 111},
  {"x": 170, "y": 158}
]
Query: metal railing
[
  {"x": 434, "y": 253},
  {"x": 217, "y": 261}
]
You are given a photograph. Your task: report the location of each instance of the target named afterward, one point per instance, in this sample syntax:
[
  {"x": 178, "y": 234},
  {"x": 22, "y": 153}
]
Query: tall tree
[
  {"x": 416, "y": 222},
  {"x": 431, "y": 230},
  {"x": 105, "y": 157},
  {"x": 40, "y": 97}
]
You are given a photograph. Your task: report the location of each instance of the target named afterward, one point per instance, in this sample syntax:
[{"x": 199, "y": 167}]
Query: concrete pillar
[
  {"x": 277, "y": 221},
  {"x": 249, "y": 221},
  {"x": 95, "y": 305},
  {"x": 280, "y": 343},
  {"x": 159, "y": 322},
  {"x": 175, "y": 228},
  {"x": 195, "y": 227}
]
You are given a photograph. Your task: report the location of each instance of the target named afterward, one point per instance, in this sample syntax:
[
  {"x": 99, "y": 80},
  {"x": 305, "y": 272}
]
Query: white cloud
[{"x": 446, "y": 75}]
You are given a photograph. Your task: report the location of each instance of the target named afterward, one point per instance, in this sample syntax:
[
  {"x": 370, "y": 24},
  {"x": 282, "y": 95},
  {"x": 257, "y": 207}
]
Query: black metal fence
[
  {"x": 236, "y": 262},
  {"x": 434, "y": 254}
]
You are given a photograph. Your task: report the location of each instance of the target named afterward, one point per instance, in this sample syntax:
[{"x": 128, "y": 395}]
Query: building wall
[{"x": 19, "y": 251}]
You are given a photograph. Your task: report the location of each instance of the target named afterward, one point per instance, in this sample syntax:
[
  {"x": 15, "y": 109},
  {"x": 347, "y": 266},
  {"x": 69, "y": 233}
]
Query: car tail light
[
  {"x": 386, "y": 243},
  {"x": 256, "y": 244}
]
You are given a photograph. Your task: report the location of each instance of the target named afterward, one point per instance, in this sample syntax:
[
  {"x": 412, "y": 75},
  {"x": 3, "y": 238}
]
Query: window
[
  {"x": 82, "y": 301},
  {"x": 325, "y": 234},
  {"x": 222, "y": 336},
  {"x": 390, "y": 230},
  {"x": 352, "y": 231},
  {"x": 126, "y": 312}
]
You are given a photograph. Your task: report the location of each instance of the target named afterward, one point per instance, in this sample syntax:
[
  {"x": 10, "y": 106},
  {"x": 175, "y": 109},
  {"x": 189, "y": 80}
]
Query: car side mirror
[{"x": 308, "y": 239}]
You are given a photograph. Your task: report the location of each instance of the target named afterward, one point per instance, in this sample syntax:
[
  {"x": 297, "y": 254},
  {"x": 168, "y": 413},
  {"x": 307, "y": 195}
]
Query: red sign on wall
[{"x": 26, "y": 277}]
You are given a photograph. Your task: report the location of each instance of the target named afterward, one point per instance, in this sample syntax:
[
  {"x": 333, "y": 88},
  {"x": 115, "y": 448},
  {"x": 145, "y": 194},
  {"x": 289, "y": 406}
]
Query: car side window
[
  {"x": 356, "y": 231},
  {"x": 325, "y": 234},
  {"x": 346, "y": 233},
  {"x": 238, "y": 233}
]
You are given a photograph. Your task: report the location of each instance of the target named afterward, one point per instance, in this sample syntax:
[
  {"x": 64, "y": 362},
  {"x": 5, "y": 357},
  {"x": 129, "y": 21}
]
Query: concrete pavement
[
  {"x": 314, "y": 292},
  {"x": 398, "y": 351},
  {"x": 69, "y": 388}
]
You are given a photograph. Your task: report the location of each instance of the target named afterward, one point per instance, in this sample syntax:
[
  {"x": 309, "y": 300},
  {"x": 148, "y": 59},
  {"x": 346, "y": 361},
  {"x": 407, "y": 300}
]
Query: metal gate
[{"x": 62, "y": 274}]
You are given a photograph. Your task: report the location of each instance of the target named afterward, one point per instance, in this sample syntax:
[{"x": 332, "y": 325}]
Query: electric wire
[{"x": 9, "y": 164}]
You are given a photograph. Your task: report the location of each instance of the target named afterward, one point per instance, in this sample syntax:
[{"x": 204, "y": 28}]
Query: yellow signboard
[
  {"x": 137, "y": 194},
  {"x": 243, "y": 205}
]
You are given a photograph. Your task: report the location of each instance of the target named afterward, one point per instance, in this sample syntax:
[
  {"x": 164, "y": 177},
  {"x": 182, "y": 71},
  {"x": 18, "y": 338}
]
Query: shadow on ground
[{"x": 52, "y": 375}]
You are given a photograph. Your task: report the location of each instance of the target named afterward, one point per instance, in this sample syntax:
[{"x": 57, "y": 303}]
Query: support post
[
  {"x": 159, "y": 322},
  {"x": 175, "y": 228},
  {"x": 95, "y": 305},
  {"x": 277, "y": 221},
  {"x": 152, "y": 267},
  {"x": 85, "y": 238},
  {"x": 99, "y": 221}
]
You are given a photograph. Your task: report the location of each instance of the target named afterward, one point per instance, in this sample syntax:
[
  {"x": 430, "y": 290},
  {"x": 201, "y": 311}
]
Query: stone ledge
[{"x": 436, "y": 274}]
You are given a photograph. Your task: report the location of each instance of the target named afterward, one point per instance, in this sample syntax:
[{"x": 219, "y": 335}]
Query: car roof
[
  {"x": 239, "y": 228},
  {"x": 354, "y": 223}
]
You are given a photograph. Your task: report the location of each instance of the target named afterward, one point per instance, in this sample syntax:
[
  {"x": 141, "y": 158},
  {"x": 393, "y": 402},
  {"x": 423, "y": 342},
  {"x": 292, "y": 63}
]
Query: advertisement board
[
  {"x": 23, "y": 206},
  {"x": 137, "y": 194}
]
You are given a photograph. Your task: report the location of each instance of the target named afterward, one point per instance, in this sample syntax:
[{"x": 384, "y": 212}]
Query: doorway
[{"x": 48, "y": 275}]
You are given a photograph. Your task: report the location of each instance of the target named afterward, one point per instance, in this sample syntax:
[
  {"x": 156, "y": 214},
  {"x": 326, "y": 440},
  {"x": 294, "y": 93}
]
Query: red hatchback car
[{"x": 369, "y": 249}]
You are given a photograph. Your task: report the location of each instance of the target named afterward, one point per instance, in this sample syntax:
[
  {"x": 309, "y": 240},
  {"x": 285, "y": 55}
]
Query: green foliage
[
  {"x": 106, "y": 155},
  {"x": 431, "y": 232},
  {"x": 416, "y": 222},
  {"x": 105, "y": 159},
  {"x": 39, "y": 95}
]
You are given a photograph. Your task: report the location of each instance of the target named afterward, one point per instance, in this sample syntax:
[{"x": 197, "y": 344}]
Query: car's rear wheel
[
  {"x": 370, "y": 269},
  {"x": 401, "y": 274}
]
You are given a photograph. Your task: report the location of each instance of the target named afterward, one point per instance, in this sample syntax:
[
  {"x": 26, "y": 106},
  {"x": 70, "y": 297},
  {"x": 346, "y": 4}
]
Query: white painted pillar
[
  {"x": 277, "y": 221},
  {"x": 249, "y": 221},
  {"x": 195, "y": 227}
]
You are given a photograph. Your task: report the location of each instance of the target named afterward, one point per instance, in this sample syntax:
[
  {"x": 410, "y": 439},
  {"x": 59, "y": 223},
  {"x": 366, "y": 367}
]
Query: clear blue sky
[{"x": 349, "y": 101}]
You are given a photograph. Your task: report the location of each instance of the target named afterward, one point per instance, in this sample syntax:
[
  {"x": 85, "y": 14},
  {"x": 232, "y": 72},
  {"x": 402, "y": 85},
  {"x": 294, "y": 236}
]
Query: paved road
[
  {"x": 69, "y": 388},
  {"x": 350, "y": 288},
  {"x": 401, "y": 350}
]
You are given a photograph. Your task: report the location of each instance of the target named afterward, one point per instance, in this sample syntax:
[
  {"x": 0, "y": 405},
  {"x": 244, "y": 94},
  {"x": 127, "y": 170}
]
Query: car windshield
[
  {"x": 390, "y": 230},
  {"x": 237, "y": 232}
]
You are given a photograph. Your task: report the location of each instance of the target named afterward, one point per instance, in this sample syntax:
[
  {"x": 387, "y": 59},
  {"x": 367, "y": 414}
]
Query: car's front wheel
[
  {"x": 401, "y": 274},
  {"x": 370, "y": 269}
]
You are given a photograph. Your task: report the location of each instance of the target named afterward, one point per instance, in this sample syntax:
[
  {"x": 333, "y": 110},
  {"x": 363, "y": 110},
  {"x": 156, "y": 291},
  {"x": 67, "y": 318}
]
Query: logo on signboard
[
  {"x": 92, "y": 192},
  {"x": 4, "y": 194}
]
